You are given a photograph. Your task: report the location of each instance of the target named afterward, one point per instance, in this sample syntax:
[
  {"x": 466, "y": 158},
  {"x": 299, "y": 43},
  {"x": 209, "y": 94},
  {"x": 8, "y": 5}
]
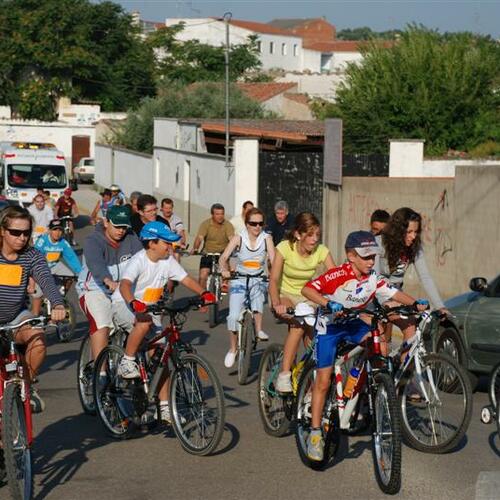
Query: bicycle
[
  {"x": 247, "y": 337},
  {"x": 196, "y": 396},
  {"x": 434, "y": 391},
  {"x": 277, "y": 409},
  {"x": 491, "y": 412},
  {"x": 373, "y": 392},
  {"x": 16, "y": 413},
  {"x": 214, "y": 285}
]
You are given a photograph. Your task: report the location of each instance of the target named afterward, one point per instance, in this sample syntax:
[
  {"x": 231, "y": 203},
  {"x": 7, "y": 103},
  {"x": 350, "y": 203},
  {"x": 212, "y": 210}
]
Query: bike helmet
[{"x": 158, "y": 231}]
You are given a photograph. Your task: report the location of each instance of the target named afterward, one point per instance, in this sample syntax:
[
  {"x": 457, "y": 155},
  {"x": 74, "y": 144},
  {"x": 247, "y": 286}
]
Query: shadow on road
[
  {"x": 231, "y": 400},
  {"x": 494, "y": 446},
  {"x": 234, "y": 439},
  {"x": 195, "y": 337}
]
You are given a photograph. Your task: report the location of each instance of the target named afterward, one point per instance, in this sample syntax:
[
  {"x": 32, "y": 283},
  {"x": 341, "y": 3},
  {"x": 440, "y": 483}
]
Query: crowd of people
[{"x": 129, "y": 258}]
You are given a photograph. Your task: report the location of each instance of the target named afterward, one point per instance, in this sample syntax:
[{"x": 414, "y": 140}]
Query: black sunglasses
[
  {"x": 255, "y": 223},
  {"x": 19, "y": 232}
]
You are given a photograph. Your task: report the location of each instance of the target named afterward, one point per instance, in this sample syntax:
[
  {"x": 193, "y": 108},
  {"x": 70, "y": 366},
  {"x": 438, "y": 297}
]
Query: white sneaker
[
  {"x": 262, "y": 335},
  {"x": 166, "y": 416},
  {"x": 128, "y": 369},
  {"x": 230, "y": 359},
  {"x": 284, "y": 382}
]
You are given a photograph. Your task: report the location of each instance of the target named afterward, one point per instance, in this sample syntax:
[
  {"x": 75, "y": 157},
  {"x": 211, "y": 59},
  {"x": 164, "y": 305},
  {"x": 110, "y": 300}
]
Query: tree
[
  {"x": 199, "y": 100},
  {"x": 366, "y": 33},
  {"x": 444, "y": 89}
]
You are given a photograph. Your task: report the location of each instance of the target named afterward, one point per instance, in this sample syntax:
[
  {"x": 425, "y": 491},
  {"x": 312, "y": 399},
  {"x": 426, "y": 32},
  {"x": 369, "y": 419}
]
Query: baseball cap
[
  {"x": 119, "y": 216},
  {"x": 158, "y": 231},
  {"x": 68, "y": 191},
  {"x": 114, "y": 187},
  {"x": 363, "y": 242},
  {"x": 55, "y": 224}
]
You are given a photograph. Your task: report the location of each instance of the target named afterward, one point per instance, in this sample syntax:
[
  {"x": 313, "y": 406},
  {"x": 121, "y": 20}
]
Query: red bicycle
[{"x": 15, "y": 412}]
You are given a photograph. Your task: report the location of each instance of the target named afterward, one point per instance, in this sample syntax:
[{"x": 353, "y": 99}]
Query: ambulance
[{"x": 26, "y": 166}]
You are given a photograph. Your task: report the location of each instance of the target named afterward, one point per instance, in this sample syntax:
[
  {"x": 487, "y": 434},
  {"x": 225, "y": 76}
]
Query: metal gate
[
  {"x": 296, "y": 177},
  {"x": 80, "y": 148}
]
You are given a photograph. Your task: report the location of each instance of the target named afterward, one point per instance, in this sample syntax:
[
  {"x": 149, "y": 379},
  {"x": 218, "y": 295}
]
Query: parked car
[
  {"x": 85, "y": 170},
  {"x": 473, "y": 336}
]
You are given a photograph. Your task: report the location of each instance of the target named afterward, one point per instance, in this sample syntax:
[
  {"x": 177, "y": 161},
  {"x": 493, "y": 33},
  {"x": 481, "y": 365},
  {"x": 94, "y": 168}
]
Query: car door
[{"x": 482, "y": 326}]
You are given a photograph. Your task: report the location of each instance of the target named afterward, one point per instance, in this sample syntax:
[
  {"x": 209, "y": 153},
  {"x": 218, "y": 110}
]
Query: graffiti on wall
[{"x": 442, "y": 235}]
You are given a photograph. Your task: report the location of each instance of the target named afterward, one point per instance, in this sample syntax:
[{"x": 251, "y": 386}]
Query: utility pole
[{"x": 227, "y": 19}]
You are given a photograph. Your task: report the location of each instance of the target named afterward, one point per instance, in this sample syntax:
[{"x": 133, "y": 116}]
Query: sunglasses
[
  {"x": 19, "y": 232},
  {"x": 255, "y": 223}
]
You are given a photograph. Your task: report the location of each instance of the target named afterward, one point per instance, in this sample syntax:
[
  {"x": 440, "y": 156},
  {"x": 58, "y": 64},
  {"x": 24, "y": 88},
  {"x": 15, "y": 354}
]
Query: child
[
  {"x": 147, "y": 272},
  {"x": 352, "y": 285}
]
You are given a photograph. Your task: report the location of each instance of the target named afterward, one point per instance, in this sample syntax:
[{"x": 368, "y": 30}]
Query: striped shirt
[{"x": 14, "y": 276}]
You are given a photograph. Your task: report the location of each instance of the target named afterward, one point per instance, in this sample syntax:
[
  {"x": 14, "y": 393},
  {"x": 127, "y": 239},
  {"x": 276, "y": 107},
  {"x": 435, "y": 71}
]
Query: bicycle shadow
[
  {"x": 493, "y": 445},
  {"x": 61, "y": 449},
  {"x": 253, "y": 371},
  {"x": 195, "y": 337},
  {"x": 235, "y": 401}
]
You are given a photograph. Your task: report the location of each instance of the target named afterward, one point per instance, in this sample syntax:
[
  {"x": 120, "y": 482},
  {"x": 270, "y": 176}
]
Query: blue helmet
[{"x": 158, "y": 231}]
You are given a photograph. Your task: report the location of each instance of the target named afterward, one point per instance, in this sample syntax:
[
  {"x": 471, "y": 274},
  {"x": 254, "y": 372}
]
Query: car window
[{"x": 88, "y": 162}]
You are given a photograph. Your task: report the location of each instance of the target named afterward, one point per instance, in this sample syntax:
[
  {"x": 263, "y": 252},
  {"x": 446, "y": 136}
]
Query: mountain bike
[
  {"x": 247, "y": 336},
  {"x": 373, "y": 393},
  {"x": 434, "y": 391},
  {"x": 196, "y": 395},
  {"x": 16, "y": 413},
  {"x": 277, "y": 409},
  {"x": 491, "y": 412},
  {"x": 214, "y": 285}
]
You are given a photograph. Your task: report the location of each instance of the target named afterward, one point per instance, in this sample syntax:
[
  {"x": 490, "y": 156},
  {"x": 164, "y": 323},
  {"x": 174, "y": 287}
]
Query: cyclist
[
  {"x": 378, "y": 221},
  {"x": 118, "y": 198},
  {"x": 101, "y": 206},
  {"x": 253, "y": 248},
  {"x": 174, "y": 222},
  {"x": 352, "y": 285},
  {"x": 147, "y": 211},
  {"x": 215, "y": 234},
  {"x": 238, "y": 221},
  {"x": 19, "y": 262},
  {"x": 280, "y": 223},
  {"x": 142, "y": 284},
  {"x": 66, "y": 207},
  {"x": 105, "y": 254},
  {"x": 401, "y": 246},
  {"x": 42, "y": 215},
  {"x": 295, "y": 263},
  {"x": 132, "y": 200},
  {"x": 52, "y": 246}
]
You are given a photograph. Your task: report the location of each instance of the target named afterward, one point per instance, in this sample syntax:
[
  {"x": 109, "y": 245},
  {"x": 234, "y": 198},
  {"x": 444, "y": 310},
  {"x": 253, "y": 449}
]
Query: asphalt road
[{"x": 74, "y": 459}]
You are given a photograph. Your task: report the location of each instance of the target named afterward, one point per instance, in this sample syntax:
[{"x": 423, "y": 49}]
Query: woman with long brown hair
[{"x": 296, "y": 261}]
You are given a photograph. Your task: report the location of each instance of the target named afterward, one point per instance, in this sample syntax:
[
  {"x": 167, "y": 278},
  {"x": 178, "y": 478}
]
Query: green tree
[
  {"x": 441, "y": 88},
  {"x": 366, "y": 33},
  {"x": 199, "y": 100}
]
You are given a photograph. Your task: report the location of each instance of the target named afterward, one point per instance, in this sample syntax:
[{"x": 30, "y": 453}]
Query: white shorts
[
  {"x": 97, "y": 307},
  {"x": 124, "y": 318}
]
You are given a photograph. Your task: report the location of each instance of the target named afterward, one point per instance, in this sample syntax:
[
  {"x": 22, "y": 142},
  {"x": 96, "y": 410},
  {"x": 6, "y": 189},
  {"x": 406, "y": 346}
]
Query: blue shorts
[{"x": 326, "y": 344}]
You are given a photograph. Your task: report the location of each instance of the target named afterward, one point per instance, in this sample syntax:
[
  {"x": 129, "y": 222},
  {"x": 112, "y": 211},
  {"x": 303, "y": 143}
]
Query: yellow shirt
[
  {"x": 216, "y": 236},
  {"x": 297, "y": 269}
]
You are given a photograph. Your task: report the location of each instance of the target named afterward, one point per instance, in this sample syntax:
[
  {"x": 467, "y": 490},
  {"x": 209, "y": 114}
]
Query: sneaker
[
  {"x": 37, "y": 403},
  {"x": 262, "y": 335},
  {"x": 128, "y": 369},
  {"x": 284, "y": 382},
  {"x": 315, "y": 446},
  {"x": 230, "y": 359},
  {"x": 166, "y": 416}
]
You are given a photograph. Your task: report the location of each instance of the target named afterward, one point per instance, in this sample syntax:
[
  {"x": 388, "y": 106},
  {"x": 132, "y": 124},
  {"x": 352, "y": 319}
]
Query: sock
[
  {"x": 130, "y": 358},
  {"x": 163, "y": 403}
]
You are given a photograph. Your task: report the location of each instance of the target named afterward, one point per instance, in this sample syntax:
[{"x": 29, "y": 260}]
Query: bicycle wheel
[
  {"x": 494, "y": 388},
  {"x": 303, "y": 415},
  {"x": 197, "y": 403},
  {"x": 16, "y": 449},
  {"x": 85, "y": 377},
  {"x": 247, "y": 335},
  {"x": 66, "y": 328},
  {"x": 113, "y": 404},
  {"x": 213, "y": 309},
  {"x": 273, "y": 407},
  {"x": 436, "y": 407},
  {"x": 386, "y": 441}
]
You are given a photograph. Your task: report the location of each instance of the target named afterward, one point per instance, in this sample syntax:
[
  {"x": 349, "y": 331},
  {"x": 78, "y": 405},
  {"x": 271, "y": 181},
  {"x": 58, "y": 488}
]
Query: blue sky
[{"x": 452, "y": 15}]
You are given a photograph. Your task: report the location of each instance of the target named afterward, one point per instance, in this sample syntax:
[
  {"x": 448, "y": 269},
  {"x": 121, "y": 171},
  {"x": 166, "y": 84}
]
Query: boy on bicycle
[
  {"x": 352, "y": 285},
  {"x": 142, "y": 283}
]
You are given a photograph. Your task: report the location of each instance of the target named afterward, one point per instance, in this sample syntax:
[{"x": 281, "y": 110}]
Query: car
[
  {"x": 472, "y": 336},
  {"x": 84, "y": 170}
]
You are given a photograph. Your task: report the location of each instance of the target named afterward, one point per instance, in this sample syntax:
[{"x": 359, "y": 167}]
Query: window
[
  {"x": 34, "y": 175},
  {"x": 295, "y": 50},
  {"x": 271, "y": 47},
  {"x": 283, "y": 49},
  {"x": 259, "y": 46}
]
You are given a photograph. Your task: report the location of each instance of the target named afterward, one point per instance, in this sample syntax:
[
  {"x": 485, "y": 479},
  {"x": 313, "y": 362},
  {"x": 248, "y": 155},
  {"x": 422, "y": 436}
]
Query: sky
[{"x": 444, "y": 15}]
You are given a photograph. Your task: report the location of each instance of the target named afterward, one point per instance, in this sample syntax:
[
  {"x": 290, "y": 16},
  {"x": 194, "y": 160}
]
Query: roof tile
[{"x": 264, "y": 91}]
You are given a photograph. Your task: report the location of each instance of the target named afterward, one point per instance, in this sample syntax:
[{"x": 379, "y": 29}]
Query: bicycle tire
[
  {"x": 66, "y": 328},
  {"x": 17, "y": 452},
  {"x": 272, "y": 406},
  {"x": 494, "y": 387},
  {"x": 385, "y": 404},
  {"x": 330, "y": 421},
  {"x": 213, "y": 309},
  {"x": 247, "y": 335},
  {"x": 107, "y": 399},
  {"x": 189, "y": 398},
  {"x": 85, "y": 377},
  {"x": 436, "y": 431}
]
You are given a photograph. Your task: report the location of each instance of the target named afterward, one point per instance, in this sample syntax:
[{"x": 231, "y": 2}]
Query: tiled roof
[
  {"x": 260, "y": 27},
  {"x": 300, "y": 98},
  {"x": 287, "y": 24},
  {"x": 343, "y": 45},
  {"x": 263, "y": 91}
]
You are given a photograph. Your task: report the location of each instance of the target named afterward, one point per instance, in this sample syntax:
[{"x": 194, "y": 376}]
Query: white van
[{"x": 26, "y": 166}]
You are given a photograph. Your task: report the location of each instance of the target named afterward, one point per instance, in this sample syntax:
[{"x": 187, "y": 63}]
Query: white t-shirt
[
  {"x": 148, "y": 278},
  {"x": 41, "y": 218}
]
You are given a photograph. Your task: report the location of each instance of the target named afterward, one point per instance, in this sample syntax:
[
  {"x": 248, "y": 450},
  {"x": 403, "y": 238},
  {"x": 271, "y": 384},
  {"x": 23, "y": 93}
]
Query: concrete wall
[
  {"x": 340, "y": 60},
  {"x": 5, "y": 112},
  {"x": 323, "y": 86},
  {"x": 311, "y": 60},
  {"x": 457, "y": 242}
]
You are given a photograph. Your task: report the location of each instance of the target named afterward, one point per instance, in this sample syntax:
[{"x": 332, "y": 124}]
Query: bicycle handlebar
[
  {"x": 236, "y": 275},
  {"x": 37, "y": 321},
  {"x": 163, "y": 307}
]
